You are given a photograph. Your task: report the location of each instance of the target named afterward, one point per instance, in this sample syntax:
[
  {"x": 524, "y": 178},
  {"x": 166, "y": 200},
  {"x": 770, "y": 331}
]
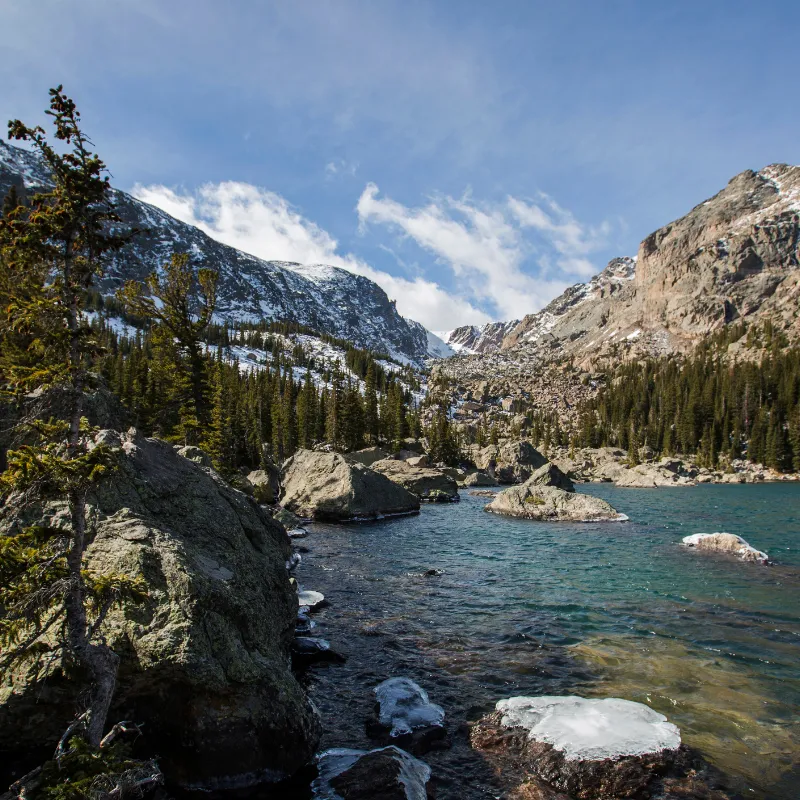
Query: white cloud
[
  {"x": 340, "y": 167},
  {"x": 266, "y": 225},
  {"x": 490, "y": 246}
]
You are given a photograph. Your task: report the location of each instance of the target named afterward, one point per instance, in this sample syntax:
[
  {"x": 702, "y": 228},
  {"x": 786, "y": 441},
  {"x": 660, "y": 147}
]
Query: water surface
[{"x": 610, "y": 609}]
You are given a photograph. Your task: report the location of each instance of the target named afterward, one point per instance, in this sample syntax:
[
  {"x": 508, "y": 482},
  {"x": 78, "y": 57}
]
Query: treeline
[
  {"x": 244, "y": 407},
  {"x": 709, "y": 404}
]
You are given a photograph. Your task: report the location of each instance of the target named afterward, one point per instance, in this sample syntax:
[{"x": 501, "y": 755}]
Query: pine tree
[
  {"x": 50, "y": 260},
  {"x": 181, "y": 304},
  {"x": 371, "y": 420}
]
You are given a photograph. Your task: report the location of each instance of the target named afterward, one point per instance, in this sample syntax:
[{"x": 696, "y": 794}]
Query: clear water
[{"x": 601, "y": 610}]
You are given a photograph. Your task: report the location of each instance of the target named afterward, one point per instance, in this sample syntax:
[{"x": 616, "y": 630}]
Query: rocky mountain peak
[{"x": 327, "y": 298}]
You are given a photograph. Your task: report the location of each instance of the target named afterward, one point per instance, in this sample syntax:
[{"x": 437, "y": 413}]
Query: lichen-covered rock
[
  {"x": 727, "y": 543},
  {"x": 427, "y": 483},
  {"x": 330, "y": 487},
  {"x": 548, "y": 503},
  {"x": 593, "y": 750},
  {"x": 385, "y": 774},
  {"x": 205, "y": 662}
]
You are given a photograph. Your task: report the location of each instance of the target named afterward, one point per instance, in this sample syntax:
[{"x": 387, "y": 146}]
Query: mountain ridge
[{"x": 324, "y": 297}]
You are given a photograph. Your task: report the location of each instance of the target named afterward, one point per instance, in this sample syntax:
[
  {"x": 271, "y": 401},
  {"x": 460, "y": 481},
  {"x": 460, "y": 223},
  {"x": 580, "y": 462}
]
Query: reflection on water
[{"x": 600, "y": 610}]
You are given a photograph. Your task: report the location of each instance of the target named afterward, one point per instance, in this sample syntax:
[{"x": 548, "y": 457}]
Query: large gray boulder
[
  {"x": 424, "y": 482},
  {"x": 205, "y": 662},
  {"x": 513, "y": 462},
  {"x": 550, "y": 475},
  {"x": 368, "y": 456},
  {"x": 540, "y": 498},
  {"x": 330, "y": 487}
]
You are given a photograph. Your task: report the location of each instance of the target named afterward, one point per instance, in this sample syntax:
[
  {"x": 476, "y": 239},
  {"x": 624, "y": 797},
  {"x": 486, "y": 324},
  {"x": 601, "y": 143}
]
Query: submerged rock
[
  {"x": 726, "y": 543},
  {"x": 311, "y": 650},
  {"x": 405, "y": 716},
  {"x": 329, "y": 487},
  {"x": 384, "y": 774},
  {"x": 205, "y": 661},
  {"x": 549, "y": 503},
  {"x": 593, "y": 750},
  {"x": 427, "y": 483}
]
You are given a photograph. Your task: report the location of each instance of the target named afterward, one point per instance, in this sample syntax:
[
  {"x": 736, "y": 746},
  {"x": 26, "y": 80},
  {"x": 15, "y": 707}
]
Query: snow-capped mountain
[
  {"x": 328, "y": 299},
  {"x": 486, "y": 338}
]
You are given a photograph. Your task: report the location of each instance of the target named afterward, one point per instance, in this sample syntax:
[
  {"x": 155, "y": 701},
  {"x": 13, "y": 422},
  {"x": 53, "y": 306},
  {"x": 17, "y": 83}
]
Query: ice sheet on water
[
  {"x": 310, "y": 598},
  {"x": 404, "y": 706},
  {"x": 588, "y": 729}
]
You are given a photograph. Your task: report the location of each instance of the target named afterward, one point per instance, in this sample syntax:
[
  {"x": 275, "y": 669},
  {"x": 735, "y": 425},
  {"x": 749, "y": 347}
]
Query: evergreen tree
[
  {"x": 181, "y": 304},
  {"x": 50, "y": 260}
]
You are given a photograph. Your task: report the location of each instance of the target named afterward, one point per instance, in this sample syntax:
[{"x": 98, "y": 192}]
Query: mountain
[
  {"x": 328, "y": 299},
  {"x": 470, "y": 339},
  {"x": 734, "y": 257}
]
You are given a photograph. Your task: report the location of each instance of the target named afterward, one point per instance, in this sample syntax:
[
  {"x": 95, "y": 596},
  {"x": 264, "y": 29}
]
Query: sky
[{"x": 473, "y": 158}]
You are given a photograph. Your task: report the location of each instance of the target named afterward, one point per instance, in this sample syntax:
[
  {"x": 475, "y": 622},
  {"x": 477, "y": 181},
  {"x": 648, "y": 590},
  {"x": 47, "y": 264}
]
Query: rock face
[
  {"x": 205, "y": 662},
  {"x": 329, "y": 487},
  {"x": 385, "y": 774},
  {"x": 727, "y": 543},
  {"x": 594, "y": 750},
  {"x": 539, "y": 499},
  {"x": 424, "y": 482}
]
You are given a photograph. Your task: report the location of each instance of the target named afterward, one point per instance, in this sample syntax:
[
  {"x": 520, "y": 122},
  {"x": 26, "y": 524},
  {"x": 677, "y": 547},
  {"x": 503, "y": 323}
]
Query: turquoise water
[{"x": 615, "y": 609}]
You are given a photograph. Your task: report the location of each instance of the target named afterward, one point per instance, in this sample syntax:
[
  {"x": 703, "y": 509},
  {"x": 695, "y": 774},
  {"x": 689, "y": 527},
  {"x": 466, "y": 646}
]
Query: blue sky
[{"x": 474, "y": 158}]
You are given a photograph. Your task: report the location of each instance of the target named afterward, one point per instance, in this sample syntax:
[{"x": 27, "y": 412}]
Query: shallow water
[{"x": 607, "y": 609}]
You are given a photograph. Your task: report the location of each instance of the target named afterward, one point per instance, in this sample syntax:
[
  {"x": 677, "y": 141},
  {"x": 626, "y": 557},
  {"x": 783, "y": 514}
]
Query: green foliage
[
  {"x": 91, "y": 772},
  {"x": 50, "y": 256},
  {"x": 706, "y": 404}
]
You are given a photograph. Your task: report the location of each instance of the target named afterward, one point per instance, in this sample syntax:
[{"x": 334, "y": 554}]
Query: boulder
[
  {"x": 196, "y": 454},
  {"x": 513, "y": 462},
  {"x": 385, "y": 774},
  {"x": 727, "y": 543},
  {"x": 406, "y": 717},
  {"x": 549, "y": 503},
  {"x": 478, "y": 478},
  {"x": 330, "y": 487},
  {"x": 550, "y": 475},
  {"x": 266, "y": 484},
  {"x": 205, "y": 661},
  {"x": 424, "y": 482},
  {"x": 594, "y": 749},
  {"x": 418, "y": 461},
  {"x": 368, "y": 456}
]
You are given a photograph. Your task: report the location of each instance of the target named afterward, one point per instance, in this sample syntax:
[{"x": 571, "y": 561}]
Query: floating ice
[
  {"x": 310, "y": 599},
  {"x": 591, "y": 730},
  {"x": 414, "y": 774},
  {"x": 405, "y": 707},
  {"x": 726, "y": 543}
]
